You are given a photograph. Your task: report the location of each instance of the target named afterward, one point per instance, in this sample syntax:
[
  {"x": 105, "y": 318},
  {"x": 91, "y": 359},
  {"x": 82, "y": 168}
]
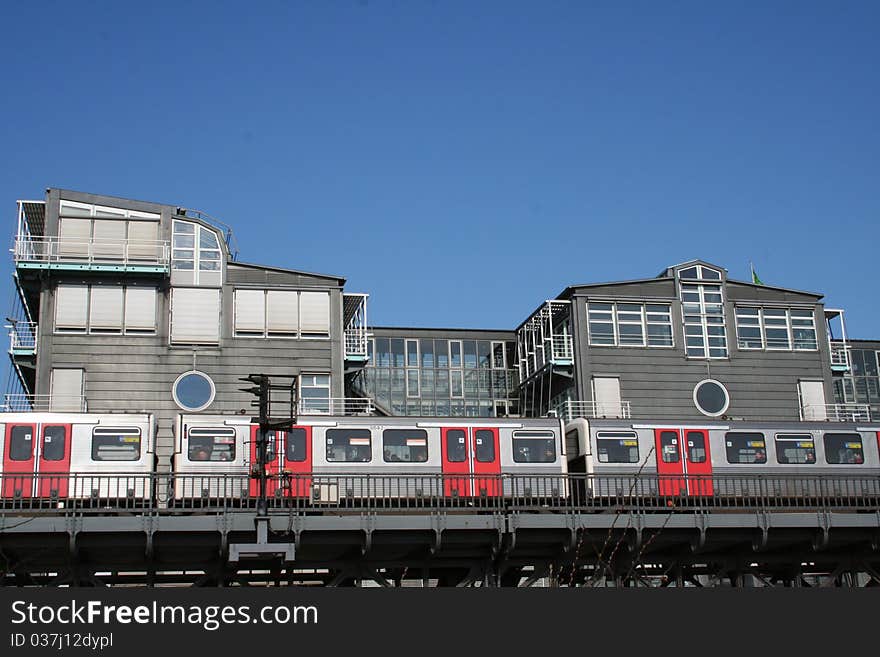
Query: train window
[
  {"x": 54, "y": 439},
  {"x": 795, "y": 448},
  {"x": 296, "y": 446},
  {"x": 485, "y": 448},
  {"x": 669, "y": 451},
  {"x": 349, "y": 445},
  {"x": 534, "y": 447},
  {"x": 696, "y": 447},
  {"x": 405, "y": 445},
  {"x": 271, "y": 446},
  {"x": 21, "y": 443},
  {"x": 456, "y": 449},
  {"x": 745, "y": 447},
  {"x": 617, "y": 446},
  {"x": 116, "y": 444},
  {"x": 844, "y": 448},
  {"x": 206, "y": 444}
]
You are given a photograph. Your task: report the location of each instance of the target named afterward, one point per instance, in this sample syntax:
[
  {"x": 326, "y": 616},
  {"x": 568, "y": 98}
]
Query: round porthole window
[
  {"x": 711, "y": 398},
  {"x": 193, "y": 391}
]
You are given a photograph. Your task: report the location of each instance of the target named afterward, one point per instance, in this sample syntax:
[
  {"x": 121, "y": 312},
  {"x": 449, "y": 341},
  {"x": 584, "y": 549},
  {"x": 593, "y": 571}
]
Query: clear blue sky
[{"x": 463, "y": 161}]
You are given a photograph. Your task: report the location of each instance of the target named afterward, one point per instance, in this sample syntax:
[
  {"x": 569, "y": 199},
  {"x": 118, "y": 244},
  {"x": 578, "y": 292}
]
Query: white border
[
  {"x": 726, "y": 395},
  {"x": 187, "y": 408}
]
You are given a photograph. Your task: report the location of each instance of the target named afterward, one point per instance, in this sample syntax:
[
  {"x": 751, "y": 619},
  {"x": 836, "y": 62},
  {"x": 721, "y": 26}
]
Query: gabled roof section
[
  {"x": 817, "y": 295},
  {"x": 247, "y": 265},
  {"x": 670, "y": 270}
]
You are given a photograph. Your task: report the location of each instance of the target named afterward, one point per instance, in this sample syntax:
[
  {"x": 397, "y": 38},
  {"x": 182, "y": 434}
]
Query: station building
[{"x": 126, "y": 305}]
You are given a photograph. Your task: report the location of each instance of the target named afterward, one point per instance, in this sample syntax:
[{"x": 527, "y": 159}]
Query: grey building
[{"x": 135, "y": 306}]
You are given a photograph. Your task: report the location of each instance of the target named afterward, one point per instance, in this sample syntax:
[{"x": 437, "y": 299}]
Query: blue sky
[{"x": 463, "y": 161}]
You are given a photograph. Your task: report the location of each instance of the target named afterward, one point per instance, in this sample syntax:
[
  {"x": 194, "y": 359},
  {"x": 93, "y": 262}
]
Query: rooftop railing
[{"x": 93, "y": 252}]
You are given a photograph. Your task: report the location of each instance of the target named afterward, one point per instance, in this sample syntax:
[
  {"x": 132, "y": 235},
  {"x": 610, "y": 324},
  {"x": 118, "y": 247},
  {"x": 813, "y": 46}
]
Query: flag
[{"x": 755, "y": 279}]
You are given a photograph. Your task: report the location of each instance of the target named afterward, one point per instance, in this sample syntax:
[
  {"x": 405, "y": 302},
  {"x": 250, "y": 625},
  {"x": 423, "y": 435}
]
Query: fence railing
[
  {"x": 93, "y": 251},
  {"x": 66, "y": 403},
  {"x": 509, "y": 494},
  {"x": 22, "y": 336},
  {"x": 839, "y": 354},
  {"x": 593, "y": 409},
  {"x": 837, "y": 412},
  {"x": 335, "y": 406}
]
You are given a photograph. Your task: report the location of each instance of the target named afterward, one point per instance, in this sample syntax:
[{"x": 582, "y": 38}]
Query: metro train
[{"x": 323, "y": 458}]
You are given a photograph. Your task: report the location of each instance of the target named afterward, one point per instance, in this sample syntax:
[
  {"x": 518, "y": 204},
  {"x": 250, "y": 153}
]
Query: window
[
  {"x": 314, "y": 393},
  {"x": 195, "y": 316},
  {"x": 412, "y": 353},
  {"x": 844, "y": 448},
  {"x": 797, "y": 449},
  {"x": 405, "y": 445},
  {"x": 700, "y": 272},
  {"x": 743, "y": 447},
  {"x": 21, "y": 443},
  {"x": 630, "y": 324},
  {"x": 207, "y": 444},
  {"x": 780, "y": 329},
  {"x": 485, "y": 445},
  {"x": 296, "y": 446},
  {"x": 281, "y": 314},
  {"x": 107, "y": 233},
  {"x": 349, "y": 445},
  {"x": 99, "y": 309},
  {"x": 617, "y": 446},
  {"x": 669, "y": 448},
  {"x": 703, "y": 314},
  {"x": 195, "y": 254},
  {"x": 116, "y": 444},
  {"x": 54, "y": 443},
  {"x": 66, "y": 389},
  {"x": 534, "y": 447},
  {"x": 711, "y": 398},
  {"x": 456, "y": 448},
  {"x": 412, "y": 383},
  {"x": 193, "y": 391},
  {"x": 696, "y": 446}
]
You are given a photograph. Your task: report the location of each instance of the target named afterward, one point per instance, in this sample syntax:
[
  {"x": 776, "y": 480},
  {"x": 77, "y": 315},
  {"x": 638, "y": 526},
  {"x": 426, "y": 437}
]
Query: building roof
[{"x": 249, "y": 265}]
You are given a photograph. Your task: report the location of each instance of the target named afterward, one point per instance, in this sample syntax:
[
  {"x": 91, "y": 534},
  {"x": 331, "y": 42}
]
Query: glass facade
[
  {"x": 431, "y": 377},
  {"x": 861, "y": 385}
]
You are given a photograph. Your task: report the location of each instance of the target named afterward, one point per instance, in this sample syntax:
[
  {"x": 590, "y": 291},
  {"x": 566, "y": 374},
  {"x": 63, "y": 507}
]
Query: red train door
[
  {"x": 486, "y": 461},
  {"x": 19, "y": 463},
  {"x": 53, "y": 463},
  {"x": 684, "y": 463},
  {"x": 668, "y": 448},
  {"x": 456, "y": 461},
  {"x": 297, "y": 460},
  {"x": 274, "y": 447}
]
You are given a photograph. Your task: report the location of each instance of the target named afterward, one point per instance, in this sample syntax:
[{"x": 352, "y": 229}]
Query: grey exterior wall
[{"x": 659, "y": 382}]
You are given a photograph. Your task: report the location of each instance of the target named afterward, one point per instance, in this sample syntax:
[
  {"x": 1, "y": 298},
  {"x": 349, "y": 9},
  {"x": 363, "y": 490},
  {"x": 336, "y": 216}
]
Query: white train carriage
[
  {"x": 721, "y": 459},
  {"x": 77, "y": 456},
  {"x": 327, "y": 458}
]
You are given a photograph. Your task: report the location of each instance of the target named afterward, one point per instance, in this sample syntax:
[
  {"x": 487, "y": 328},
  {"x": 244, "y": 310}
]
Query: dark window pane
[
  {"x": 745, "y": 447},
  {"x": 711, "y": 398},
  {"x": 349, "y": 445},
  {"x": 669, "y": 446},
  {"x": 797, "y": 449},
  {"x": 54, "y": 443},
  {"x": 844, "y": 448},
  {"x": 216, "y": 445},
  {"x": 696, "y": 446},
  {"x": 21, "y": 444},
  {"x": 617, "y": 447},
  {"x": 405, "y": 445},
  {"x": 470, "y": 353},
  {"x": 296, "y": 449},
  {"x": 485, "y": 448},
  {"x": 427, "y": 347},
  {"x": 534, "y": 447},
  {"x": 397, "y": 352},
  {"x": 116, "y": 444},
  {"x": 456, "y": 447}
]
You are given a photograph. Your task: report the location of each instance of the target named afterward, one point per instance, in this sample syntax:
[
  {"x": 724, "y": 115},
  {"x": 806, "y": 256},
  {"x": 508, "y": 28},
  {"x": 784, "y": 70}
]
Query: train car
[
  {"x": 76, "y": 456},
  {"x": 718, "y": 459},
  {"x": 328, "y": 458}
]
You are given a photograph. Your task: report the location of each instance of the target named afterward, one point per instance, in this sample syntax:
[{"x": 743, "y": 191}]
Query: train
[{"x": 65, "y": 457}]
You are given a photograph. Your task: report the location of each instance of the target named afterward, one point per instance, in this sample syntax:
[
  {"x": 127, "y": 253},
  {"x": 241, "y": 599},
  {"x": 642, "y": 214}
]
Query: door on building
[
  {"x": 288, "y": 462},
  {"x": 684, "y": 463},
  {"x": 472, "y": 453}
]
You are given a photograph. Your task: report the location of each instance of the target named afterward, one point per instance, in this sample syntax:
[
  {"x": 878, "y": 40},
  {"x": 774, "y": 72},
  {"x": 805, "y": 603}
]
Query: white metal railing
[
  {"x": 336, "y": 406},
  {"x": 593, "y": 409},
  {"x": 93, "y": 251},
  {"x": 562, "y": 347},
  {"x": 839, "y": 354},
  {"x": 836, "y": 412},
  {"x": 22, "y": 336},
  {"x": 355, "y": 343},
  {"x": 66, "y": 403}
]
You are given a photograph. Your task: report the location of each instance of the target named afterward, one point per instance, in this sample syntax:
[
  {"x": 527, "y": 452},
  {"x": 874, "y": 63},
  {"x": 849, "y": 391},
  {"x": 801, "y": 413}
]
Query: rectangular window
[
  {"x": 412, "y": 353},
  {"x": 617, "y": 446},
  {"x": 195, "y": 315},
  {"x": 748, "y": 328},
  {"x": 405, "y": 445},
  {"x": 250, "y": 313},
  {"x": 455, "y": 353},
  {"x": 349, "y": 445},
  {"x": 456, "y": 386},
  {"x": 441, "y": 353},
  {"x": 54, "y": 443},
  {"x": 105, "y": 309},
  {"x": 778, "y": 329},
  {"x": 282, "y": 313},
  {"x": 412, "y": 383},
  {"x": 116, "y": 444},
  {"x": 21, "y": 443},
  {"x": 456, "y": 448},
  {"x": 485, "y": 445},
  {"x": 499, "y": 356},
  {"x": 426, "y": 346},
  {"x": 797, "y": 449},
  {"x": 745, "y": 447},
  {"x": 844, "y": 448},
  {"x": 314, "y": 308},
  {"x": 140, "y": 310},
  {"x": 670, "y": 451},
  {"x": 66, "y": 390},
  {"x": 803, "y": 330},
  {"x": 207, "y": 444},
  {"x": 314, "y": 393},
  {"x": 630, "y": 324},
  {"x": 71, "y": 308},
  {"x": 703, "y": 315},
  {"x": 295, "y": 446},
  {"x": 470, "y": 354},
  {"x": 534, "y": 447}
]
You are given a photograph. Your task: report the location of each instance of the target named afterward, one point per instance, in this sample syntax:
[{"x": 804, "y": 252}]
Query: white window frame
[
  {"x": 643, "y": 322},
  {"x": 196, "y": 250},
  {"x": 328, "y": 387},
  {"x": 124, "y": 328},
  {"x": 704, "y": 323},
  {"x": 410, "y": 393},
  {"x": 762, "y": 326},
  {"x": 406, "y": 345}
]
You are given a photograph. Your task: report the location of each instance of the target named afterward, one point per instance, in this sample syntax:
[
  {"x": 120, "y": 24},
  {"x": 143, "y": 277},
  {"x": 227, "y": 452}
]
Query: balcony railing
[
  {"x": 839, "y": 356},
  {"x": 562, "y": 348},
  {"x": 22, "y": 337},
  {"x": 65, "y": 403},
  {"x": 336, "y": 406},
  {"x": 837, "y": 412},
  {"x": 593, "y": 409},
  {"x": 355, "y": 344},
  {"x": 48, "y": 251}
]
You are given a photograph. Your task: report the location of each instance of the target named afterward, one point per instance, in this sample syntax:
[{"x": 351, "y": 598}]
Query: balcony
[
  {"x": 336, "y": 406},
  {"x": 840, "y": 361},
  {"x": 836, "y": 412},
  {"x": 355, "y": 334},
  {"x": 141, "y": 256},
  {"x": 58, "y": 403},
  {"x": 22, "y": 339},
  {"x": 593, "y": 409}
]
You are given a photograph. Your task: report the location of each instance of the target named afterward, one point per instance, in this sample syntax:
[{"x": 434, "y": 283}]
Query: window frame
[
  {"x": 614, "y": 318},
  {"x": 619, "y": 436},
  {"x": 422, "y": 437},
  {"x": 860, "y": 448},
  {"x": 119, "y": 432},
  {"x": 727, "y": 447},
  {"x": 794, "y": 438},
  {"x": 330, "y": 436},
  {"x": 214, "y": 433},
  {"x": 533, "y": 436}
]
